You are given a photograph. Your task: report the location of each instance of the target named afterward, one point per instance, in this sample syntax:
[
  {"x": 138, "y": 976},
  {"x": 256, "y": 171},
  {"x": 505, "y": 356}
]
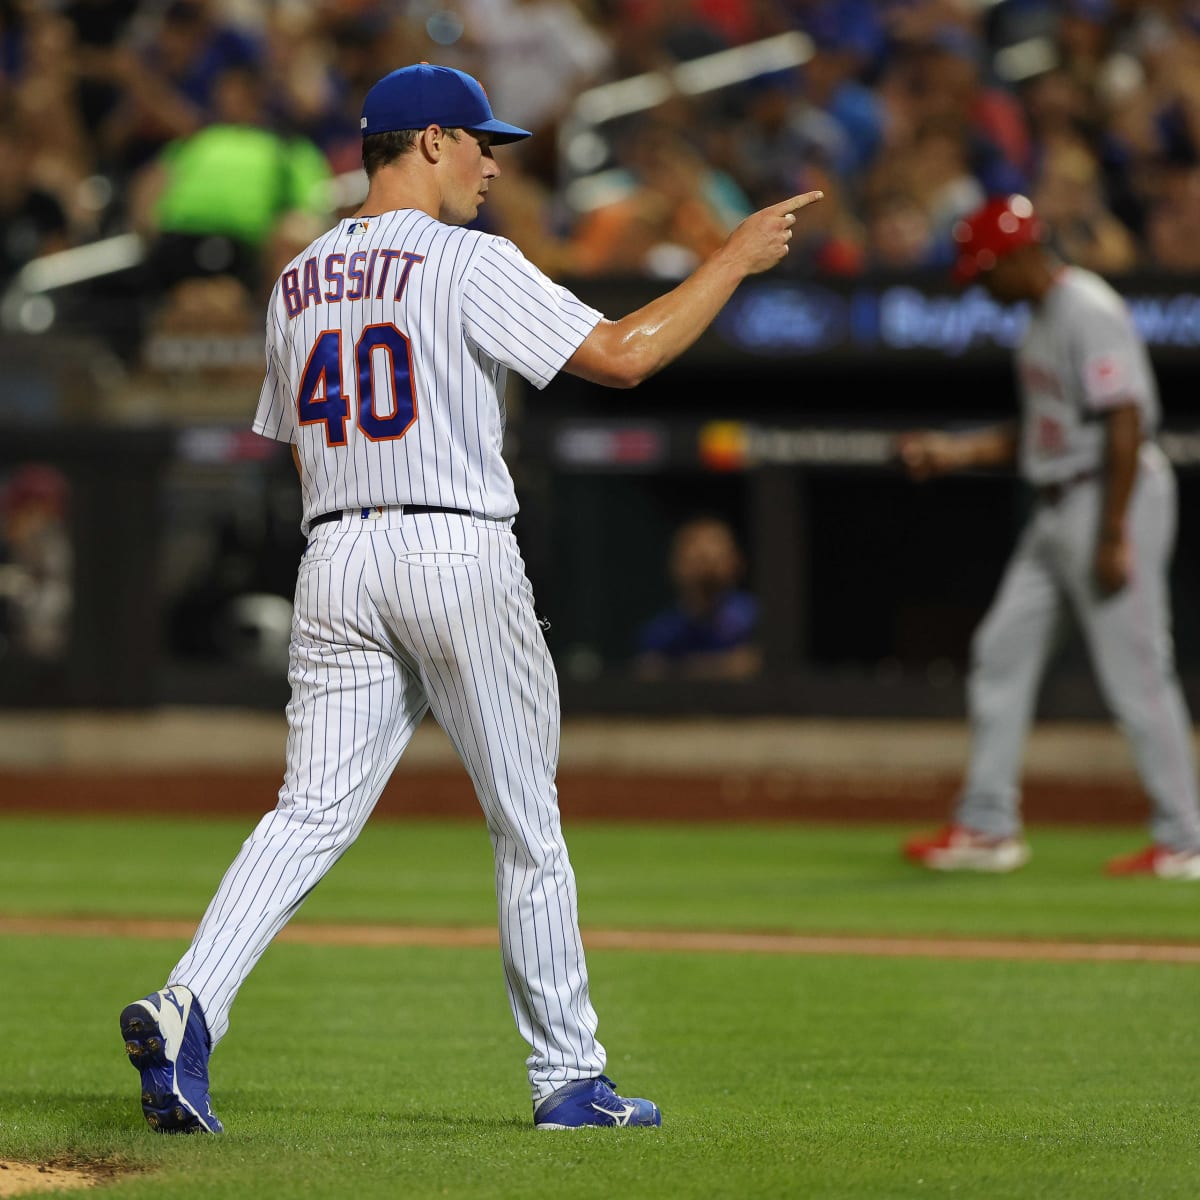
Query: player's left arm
[{"x": 1113, "y": 561}]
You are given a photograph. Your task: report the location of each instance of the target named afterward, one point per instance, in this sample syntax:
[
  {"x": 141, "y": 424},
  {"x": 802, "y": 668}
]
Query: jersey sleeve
[
  {"x": 275, "y": 416},
  {"x": 520, "y": 317},
  {"x": 1109, "y": 359}
]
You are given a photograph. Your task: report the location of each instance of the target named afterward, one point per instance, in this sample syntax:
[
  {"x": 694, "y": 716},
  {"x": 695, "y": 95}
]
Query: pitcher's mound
[{"x": 24, "y": 1179}]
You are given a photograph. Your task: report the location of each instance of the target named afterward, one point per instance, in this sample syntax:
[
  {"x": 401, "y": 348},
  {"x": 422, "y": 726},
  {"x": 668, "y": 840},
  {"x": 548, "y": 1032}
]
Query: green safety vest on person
[{"x": 238, "y": 181}]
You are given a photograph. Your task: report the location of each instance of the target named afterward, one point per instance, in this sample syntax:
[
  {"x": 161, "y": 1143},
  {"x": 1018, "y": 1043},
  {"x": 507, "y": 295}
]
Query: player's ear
[{"x": 431, "y": 141}]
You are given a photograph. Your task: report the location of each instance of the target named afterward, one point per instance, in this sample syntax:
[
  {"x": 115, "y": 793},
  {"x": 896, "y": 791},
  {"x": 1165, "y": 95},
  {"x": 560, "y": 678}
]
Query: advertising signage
[
  {"x": 791, "y": 319},
  {"x": 770, "y": 318}
]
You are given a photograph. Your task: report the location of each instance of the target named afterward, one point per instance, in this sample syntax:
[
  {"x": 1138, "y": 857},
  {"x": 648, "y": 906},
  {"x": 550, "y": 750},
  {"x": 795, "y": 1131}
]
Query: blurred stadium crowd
[{"x": 215, "y": 127}]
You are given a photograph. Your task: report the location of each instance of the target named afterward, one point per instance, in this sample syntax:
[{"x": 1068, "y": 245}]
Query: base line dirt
[{"x": 659, "y": 941}]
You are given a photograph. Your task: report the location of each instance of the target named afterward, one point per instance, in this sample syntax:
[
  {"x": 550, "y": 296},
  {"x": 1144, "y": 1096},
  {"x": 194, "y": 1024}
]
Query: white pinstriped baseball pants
[{"x": 397, "y": 615}]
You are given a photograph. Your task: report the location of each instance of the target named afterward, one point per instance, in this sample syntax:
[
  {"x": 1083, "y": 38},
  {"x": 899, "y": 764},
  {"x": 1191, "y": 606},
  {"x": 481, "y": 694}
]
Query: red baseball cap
[{"x": 992, "y": 231}]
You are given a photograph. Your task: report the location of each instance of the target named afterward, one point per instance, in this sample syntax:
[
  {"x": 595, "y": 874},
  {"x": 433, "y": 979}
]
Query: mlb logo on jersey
[{"x": 358, "y": 228}]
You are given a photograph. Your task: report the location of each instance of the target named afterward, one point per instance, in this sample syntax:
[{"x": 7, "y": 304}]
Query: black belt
[
  {"x": 325, "y": 518},
  {"x": 1052, "y": 493}
]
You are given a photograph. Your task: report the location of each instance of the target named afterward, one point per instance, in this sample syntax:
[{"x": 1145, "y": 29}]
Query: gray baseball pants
[{"x": 1128, "y": 636}]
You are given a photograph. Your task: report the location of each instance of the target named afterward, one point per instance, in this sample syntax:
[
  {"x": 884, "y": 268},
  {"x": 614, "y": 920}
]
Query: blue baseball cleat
[
  {"x": 592, "y": 1102},
  {"x": 167, "y": 1040}
]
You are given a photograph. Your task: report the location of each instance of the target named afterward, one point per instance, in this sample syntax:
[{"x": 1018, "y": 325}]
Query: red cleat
[
  {"x": 1158, "y": 861},
  {"x": 956, "y": 848}
]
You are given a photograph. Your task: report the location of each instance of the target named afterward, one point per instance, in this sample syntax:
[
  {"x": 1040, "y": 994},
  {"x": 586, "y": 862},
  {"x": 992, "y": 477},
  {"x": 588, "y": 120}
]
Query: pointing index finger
[{"x": 798, "y": 202}]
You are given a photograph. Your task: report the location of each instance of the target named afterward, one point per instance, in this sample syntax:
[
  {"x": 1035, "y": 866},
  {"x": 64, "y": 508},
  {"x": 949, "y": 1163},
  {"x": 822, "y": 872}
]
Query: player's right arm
[
  {"x": 927, "y": 453},
  {"x": 624, "y": 353}
]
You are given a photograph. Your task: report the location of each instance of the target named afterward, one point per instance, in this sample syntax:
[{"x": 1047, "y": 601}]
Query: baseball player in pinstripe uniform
[
  {"x": 1098, "y": 547},
  {"x": 388, "y": 343}
]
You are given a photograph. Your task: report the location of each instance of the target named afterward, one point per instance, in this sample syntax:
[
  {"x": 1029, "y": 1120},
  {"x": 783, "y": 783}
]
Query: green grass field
[{"x": 395, "y": 1072}]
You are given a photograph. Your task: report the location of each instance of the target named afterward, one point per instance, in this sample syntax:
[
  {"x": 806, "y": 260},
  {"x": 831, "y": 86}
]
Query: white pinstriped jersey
[
  {"x": 389, "y": 340},
  {"x": 1081, "y": 356}
]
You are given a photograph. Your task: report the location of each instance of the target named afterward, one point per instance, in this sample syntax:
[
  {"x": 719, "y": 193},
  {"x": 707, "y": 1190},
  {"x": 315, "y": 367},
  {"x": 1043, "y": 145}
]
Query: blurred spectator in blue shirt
[
  {"x": 831, "y": 86},
  {"x": 168, "y": 82},
  {"x": 900, "y": 236},
  {"x": 198, "y": 48},
  {"x": 777, "y": 135},
  {"x": 710, "y": 632}
]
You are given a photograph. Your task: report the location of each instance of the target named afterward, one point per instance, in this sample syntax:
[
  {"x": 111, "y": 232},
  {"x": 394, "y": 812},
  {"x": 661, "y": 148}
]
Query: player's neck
[
  {"x": 391, "y": 189},
  {"x": 1047, "y": 278}
]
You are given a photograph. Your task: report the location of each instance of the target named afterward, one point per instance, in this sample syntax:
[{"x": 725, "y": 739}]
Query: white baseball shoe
[
  {"x": 957, "y": 848},
  {"x": 1159, "y": 861}
]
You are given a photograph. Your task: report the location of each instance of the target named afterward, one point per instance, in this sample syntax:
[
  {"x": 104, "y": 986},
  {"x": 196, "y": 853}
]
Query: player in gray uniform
[
  {"x": 1098, "y": 546},
  {"x": 388, "y": 343}
]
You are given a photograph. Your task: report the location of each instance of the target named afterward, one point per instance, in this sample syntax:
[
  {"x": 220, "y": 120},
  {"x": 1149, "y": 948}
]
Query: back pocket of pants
[{"x": 437, "y": 558}]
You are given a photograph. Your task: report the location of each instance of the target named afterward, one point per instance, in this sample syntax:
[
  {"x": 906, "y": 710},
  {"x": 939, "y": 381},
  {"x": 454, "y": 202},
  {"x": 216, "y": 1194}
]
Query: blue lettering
[
  {"x": 410, "y": 261},
  {"x": 355, "y": 275},
  {"x": 312, "y": 292},
  {"x": 334, "y": 266},
  {"x": 290, "y": 287}
]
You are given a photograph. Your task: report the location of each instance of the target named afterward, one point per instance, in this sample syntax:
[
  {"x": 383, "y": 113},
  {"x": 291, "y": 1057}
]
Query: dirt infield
[
  {"x": 722, "y": 795},
  {"x": 651, "y": 941},
  {"x": 196, "y": 762},
  {"x": 27, "y": 1179}
]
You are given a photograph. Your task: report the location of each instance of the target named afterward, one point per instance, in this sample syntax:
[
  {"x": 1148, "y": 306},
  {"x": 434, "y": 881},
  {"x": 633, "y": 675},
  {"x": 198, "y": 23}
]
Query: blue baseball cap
[{"x": 422, "y": 95}]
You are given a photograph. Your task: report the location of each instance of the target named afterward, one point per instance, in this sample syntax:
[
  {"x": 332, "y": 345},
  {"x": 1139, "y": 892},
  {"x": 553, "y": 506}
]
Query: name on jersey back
[{"x": 363, "y": 275}]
